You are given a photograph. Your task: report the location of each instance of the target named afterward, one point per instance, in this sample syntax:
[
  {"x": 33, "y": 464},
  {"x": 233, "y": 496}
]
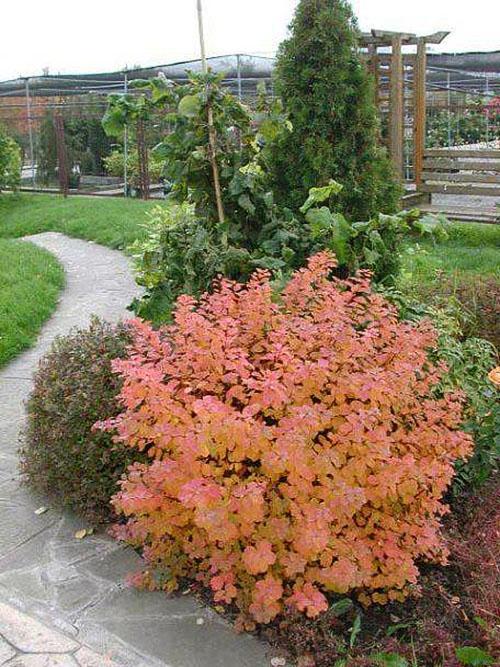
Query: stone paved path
[{"x": 62, "y": 601}]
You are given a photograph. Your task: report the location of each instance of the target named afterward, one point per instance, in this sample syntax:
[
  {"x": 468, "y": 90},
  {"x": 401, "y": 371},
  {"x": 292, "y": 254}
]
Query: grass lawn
[
  {"x": 112, "y": 222},
  {"x": 472, "y": 249},
  {"x": 30, "y": 282}
]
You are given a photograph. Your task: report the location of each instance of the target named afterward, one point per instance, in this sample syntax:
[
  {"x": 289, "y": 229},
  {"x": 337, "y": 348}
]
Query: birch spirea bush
[{"x": 297, "y": 448}]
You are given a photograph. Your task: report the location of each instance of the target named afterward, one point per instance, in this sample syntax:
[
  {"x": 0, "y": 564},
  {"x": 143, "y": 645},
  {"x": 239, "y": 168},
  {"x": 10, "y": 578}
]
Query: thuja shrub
[
  {"x": 296, "y": 447},
  {"x": 74, "y": 386}
]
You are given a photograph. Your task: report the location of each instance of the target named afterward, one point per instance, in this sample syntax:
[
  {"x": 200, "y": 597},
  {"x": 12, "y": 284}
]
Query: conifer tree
[{"x": 328, "y": 93}]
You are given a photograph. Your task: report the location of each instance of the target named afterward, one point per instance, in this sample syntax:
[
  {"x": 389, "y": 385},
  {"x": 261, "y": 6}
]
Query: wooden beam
[
  {"x": 385, "y": 37},
  {"x": 396, "y": 120},
  {"x": 436, "y": 37},
  {"x": 466, "y": 165},
  {"x": 460, "y": 177},
  {"x": 454, "y": 189},
  {"x": 391, "y": 35},
  {"x": 459, "y": 154},
  {"x": 419, "y": 112}
]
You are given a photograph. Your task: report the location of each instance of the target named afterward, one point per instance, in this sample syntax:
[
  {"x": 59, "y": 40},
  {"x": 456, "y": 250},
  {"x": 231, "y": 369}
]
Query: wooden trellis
[{"x": 400, "y": 90}]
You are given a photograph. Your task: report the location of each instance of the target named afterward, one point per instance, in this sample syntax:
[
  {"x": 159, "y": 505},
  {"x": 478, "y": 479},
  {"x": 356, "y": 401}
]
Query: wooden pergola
[{"x": 400, "y": 89}]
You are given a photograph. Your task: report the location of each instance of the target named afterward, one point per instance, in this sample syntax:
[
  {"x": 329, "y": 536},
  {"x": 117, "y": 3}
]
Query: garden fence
[{"x": 462, "y": 92}]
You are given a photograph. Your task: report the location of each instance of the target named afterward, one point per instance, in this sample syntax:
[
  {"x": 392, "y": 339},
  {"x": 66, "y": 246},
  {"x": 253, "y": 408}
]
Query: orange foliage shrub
[{"x": 296, "y": 448}]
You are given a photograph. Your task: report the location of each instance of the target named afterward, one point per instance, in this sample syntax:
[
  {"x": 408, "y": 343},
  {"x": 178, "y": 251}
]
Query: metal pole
[
  {"x": 30, "y": 131},
  {"x": 238, "y": 60},
  {"x": 125, "y": 145}
]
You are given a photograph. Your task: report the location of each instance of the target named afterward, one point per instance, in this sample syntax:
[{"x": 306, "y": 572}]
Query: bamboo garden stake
[{"x": 212, "y": 135}]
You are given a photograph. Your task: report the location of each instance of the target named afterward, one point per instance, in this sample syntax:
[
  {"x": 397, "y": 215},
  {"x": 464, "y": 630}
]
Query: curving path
[{"x": 62, "y": 601}]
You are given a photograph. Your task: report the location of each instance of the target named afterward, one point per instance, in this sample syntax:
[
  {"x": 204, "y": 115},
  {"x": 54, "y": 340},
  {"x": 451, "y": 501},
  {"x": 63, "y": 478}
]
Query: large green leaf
[
  {"x": 333, "y": 229},
  {"x": 190, "y": 106},
  {"x": 114, "y": 120},
  {"x": 341, "y": 607},
  {"x": 246, "y": 203},
  {"x": 319, "y": 195}
]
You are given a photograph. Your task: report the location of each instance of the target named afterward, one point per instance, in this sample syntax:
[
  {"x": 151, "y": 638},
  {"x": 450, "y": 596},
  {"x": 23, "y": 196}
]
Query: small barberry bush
[
  {"x": 61, "y": 455},
  {"x": 296, "y": 447}
]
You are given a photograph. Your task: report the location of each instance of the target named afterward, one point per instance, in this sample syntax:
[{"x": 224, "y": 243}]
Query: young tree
[{"x": 328, "y": 94}]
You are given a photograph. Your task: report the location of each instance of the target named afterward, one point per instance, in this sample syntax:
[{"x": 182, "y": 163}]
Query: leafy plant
[
  {"x": 328, "y": 95},
  {"x": 375, "y": 244},
  {"x": 254, "y": 233},
  {"x": 187, "y": 149},
  {"x": 10, "y": 162},
  {"x": 295, "y": 447},
  {"x": 468, "y": 362},
  {"x": 74, "y": 387},
  {"x": 114, "y": 165},
  {"x": 179, "y": 255}
]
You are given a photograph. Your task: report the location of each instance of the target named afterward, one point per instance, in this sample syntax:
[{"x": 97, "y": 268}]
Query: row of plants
[
  {"x": 475, "y": 123},
  {"x": 286, "y": 435}
]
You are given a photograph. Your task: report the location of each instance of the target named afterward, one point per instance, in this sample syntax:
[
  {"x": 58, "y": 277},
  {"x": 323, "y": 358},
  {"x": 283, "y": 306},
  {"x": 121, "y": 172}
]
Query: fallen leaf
[
  {"x": 80, "y": 534},
  {"x": 278, "y": 662}
]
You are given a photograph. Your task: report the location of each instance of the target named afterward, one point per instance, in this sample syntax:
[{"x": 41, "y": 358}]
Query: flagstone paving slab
[
  {"x": 6, "y": 651},
  {"x": 69, "y": 595}
]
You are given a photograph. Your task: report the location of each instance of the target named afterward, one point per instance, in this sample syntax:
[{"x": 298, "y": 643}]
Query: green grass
[
  {"x": 30, "y": 282},
  {"x": 113, "y": 222},
  {"x": 472, "y": 249}
]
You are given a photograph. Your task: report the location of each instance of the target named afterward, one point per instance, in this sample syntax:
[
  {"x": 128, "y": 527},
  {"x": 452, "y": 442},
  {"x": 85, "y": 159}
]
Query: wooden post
[
  {"x": 396, "y": 118},
  {"x": 419, "y": 76},
  {"x": 374, "y": 70}
]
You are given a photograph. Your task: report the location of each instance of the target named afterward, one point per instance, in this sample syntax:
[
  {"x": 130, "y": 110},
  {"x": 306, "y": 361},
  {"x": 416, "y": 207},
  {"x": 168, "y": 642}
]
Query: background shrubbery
[
  {"x": 10, "y": 161},
  {"x": 74, "y": 387},
  {"x": 86, "y": 146},
  {"x": 115, "y": 166},
  {"x": 468, "y": 359},
  {"x": 478, "y": 298}
]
